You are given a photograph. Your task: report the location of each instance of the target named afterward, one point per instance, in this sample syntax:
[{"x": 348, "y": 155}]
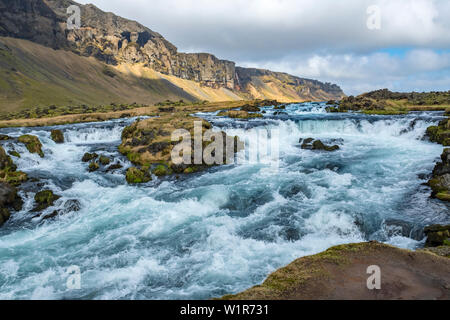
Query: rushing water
[{"x": 223, "y": 230}]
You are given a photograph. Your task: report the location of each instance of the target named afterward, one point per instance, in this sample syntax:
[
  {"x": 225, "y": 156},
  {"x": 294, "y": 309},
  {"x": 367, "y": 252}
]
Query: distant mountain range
[{"x": 112, "y": 59}]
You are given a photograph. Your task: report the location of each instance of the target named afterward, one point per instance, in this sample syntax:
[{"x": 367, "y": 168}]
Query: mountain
[{"x": 126, "y": 51}]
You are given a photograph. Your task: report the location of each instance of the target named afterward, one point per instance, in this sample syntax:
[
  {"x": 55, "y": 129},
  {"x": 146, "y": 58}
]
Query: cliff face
[{"x": 118, "y": 41}]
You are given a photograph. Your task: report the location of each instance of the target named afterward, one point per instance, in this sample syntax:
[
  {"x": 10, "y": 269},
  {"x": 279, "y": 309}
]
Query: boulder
[
  {"x": 57, "y": 136},
  {"x": 44, "y": 199},
  {"x": 437, "y": 235},
  {"x": 32, "y": 143},
  {"x": 104, "y": 160}
]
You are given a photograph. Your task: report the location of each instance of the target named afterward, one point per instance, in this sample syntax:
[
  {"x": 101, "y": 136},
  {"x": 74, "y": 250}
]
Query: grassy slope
[{"x": 32, "y": 75}]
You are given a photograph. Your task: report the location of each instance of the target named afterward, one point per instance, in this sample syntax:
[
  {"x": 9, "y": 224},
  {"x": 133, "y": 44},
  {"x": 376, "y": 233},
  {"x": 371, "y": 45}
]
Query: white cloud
[{"x": 323, "y": 39}]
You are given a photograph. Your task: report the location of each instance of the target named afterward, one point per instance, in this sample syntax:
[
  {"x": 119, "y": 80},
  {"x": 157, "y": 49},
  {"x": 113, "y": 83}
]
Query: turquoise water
[{"x": 223, "y": 230}]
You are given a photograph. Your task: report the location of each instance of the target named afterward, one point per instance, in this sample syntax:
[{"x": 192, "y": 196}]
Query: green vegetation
[
  {"x": 54, "y": 111},
  {"x": 135, "y": 175}
]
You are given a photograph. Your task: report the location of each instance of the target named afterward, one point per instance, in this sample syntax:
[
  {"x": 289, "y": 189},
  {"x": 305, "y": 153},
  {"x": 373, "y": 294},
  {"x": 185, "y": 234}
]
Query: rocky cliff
[{"x": 117, "y": 41}]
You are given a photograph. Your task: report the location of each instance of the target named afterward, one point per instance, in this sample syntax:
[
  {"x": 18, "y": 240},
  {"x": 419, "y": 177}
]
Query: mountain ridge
[{"x": 123, "y": 44}]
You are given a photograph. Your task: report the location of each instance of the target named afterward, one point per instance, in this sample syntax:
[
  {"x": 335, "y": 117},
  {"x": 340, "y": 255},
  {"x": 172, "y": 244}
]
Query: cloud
[{"x": 323, "y": 39}]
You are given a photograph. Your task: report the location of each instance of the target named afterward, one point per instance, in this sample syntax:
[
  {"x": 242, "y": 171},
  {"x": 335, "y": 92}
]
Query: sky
[{"x": 361, "y": 45}]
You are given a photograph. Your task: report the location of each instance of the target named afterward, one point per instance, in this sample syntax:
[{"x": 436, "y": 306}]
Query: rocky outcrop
[
  {"x": 440, "y": 182},
  {"x": 8, "y": 170},
  {"x": 341, "y": 273},
  {"x": 260, "y": 83},
  {"x": 148, "y": 144},
  {"x": 138, "y": 175}
]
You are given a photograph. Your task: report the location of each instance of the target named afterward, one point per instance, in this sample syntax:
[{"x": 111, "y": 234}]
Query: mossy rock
[
  {"x": 93, "y": 166},
  {"x": 5, "y": 161},
  {"x": 32, "y": 143},
  {"x": 44, "y": 199},
  {"x": 57, "y": 136},
  {"x": 239, "y": 114},
  {"x": 161, "y": 170},
  {"x": 113, "y": 167},
  {"x": 4, "y": 137},
  {"x": 4, "y": 215},
  {"x": 437, "y": 235},
  {"x": 104, "y": 160},
  {"x": 135, "y": 175},
  {"x": 14, "y": 153},
  {"x": 89, "y": 157}
]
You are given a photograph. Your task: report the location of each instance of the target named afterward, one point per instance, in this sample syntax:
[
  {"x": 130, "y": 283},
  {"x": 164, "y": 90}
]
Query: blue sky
[{"x": 326, "y": 40}]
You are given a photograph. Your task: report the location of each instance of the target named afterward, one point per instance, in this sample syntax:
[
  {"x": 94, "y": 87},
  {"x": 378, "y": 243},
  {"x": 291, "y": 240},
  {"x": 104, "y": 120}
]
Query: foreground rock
[
  {"x": 148, "y": 145},
  {"x": 440, "y": 182},
  {"x": 311, "y": 144},
  {"x": 9, "y": 200},
  {"x": 32, "y": 143},
  {"x": 341, "y": 273},
  {"x": 57, "y": 136}
]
